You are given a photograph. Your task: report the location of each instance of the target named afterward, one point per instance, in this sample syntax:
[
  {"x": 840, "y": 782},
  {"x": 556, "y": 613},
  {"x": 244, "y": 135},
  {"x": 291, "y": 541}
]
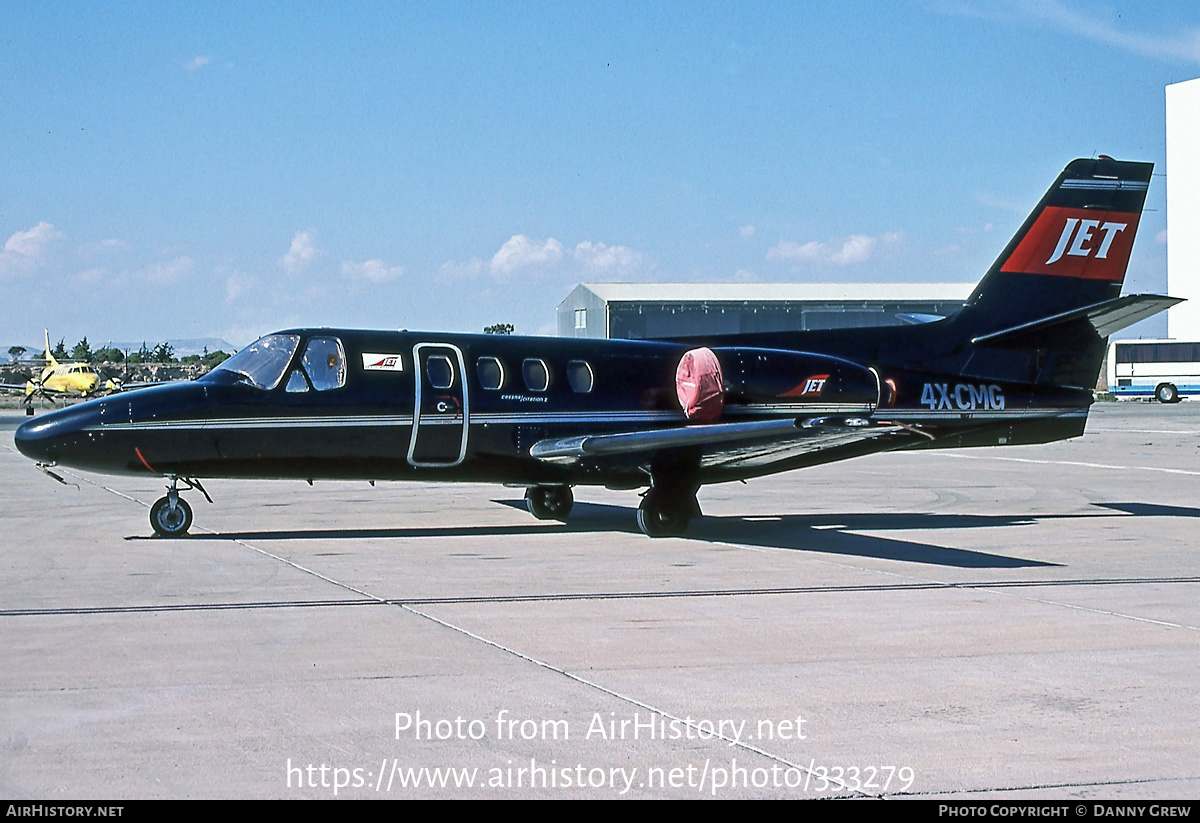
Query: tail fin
[
  {"x": 50, "y": 361},
  {"x": 1042, "y": 312},
  {"x": 1071, "y": 252}
]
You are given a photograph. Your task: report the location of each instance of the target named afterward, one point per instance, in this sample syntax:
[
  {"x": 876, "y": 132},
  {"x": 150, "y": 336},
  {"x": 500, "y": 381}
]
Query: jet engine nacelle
[{"x": 750, "y": 376}]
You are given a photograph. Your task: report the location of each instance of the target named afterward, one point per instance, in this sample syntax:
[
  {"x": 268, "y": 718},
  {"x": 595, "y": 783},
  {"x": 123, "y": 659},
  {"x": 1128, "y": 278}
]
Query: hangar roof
[{"x": 777, "y": 292}]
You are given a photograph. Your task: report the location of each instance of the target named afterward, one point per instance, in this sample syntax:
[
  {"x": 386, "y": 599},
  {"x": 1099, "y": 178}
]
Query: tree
[
  {"x": 108, "y": 354},
  {"x": 82, "y": 353},
  {"x": 214, "y": 358},
  {"x": 142, "y": 355},
  {"x": 15, "y": 352},
  {"x": 60, "y": 350},
  {"x": 164, "y": 352},
  {"x": 500, "y": 328}
]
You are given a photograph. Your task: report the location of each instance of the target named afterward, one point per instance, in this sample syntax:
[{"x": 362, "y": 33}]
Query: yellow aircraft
[{"x": 64, "y": 380}]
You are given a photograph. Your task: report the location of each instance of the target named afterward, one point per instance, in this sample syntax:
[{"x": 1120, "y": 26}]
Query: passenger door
[{"x": 440, "y": 412}]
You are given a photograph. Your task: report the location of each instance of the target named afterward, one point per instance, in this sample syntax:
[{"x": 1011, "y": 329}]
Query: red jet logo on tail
[
  {"x": 1084, "y": 235},
  {"x": 1085, "y": 243}
]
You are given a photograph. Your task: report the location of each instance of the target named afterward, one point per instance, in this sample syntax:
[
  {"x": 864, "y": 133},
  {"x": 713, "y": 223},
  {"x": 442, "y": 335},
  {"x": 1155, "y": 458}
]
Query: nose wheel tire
[
  {"x": 168, "y": 520},
  {"x": 549, "y": 502}
]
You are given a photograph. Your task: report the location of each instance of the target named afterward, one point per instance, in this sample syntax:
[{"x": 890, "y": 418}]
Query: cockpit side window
[
  {"x": 325, "y": 363},
  {"x": 296, "y": 383},
  {"x": 263, "y": 362}
]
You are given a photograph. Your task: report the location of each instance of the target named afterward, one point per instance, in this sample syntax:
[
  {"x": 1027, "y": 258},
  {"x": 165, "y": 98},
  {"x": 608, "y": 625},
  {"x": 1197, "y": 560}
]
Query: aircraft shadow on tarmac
[{"x": 837, "y": 534}]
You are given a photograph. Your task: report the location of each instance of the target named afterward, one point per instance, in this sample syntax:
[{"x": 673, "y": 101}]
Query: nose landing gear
[
  {"x": 549, "y": 502},
  {"x": 171, "y": 516}
]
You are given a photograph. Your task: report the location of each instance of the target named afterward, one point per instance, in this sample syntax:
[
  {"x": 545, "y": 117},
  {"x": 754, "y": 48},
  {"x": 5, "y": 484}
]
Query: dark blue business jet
[{"x": 1016, "y": 365}]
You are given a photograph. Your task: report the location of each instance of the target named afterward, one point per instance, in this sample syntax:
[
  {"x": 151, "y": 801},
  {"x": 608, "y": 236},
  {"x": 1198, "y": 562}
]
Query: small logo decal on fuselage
[
  {"x": 809, "y": 388},
  {"x": 964, "y": 397},
  {"x": 813, "y": 385},
  {"x": 382, "y": 362}
]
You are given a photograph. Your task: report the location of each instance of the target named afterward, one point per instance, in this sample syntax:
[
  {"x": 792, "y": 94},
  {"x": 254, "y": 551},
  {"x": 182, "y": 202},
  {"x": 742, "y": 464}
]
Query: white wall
[{"x": 1183, "y": 208}]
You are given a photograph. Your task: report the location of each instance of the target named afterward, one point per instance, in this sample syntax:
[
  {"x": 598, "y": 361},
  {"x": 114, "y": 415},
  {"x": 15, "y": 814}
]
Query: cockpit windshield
[{"x": 264, "y": 361}]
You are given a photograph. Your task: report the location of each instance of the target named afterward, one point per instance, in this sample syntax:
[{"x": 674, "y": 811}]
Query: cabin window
[
  {"x": 490, "y": 372},
  {"x": 439, "y": 371},
  {"x": 325, "y": 363},
  {"x": 579, "y": 375},
  {"x": 263, "y": 362},
  {"x": 537, "y": 376},
  {"x": 296, "y": 382}
]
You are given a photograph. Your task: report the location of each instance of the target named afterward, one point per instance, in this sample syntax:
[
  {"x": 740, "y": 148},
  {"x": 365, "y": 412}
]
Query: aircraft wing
[{"x": 755, "y": 443}]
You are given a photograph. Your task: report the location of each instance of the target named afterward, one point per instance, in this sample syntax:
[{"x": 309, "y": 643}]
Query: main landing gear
[
  {"x": 171, "y": 516},
  {"x": 664, "y": 513},
  {"x": 549, "y": 502}
]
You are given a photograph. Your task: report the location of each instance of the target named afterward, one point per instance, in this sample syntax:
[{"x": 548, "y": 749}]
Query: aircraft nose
[{"x": 54, "y": 436}]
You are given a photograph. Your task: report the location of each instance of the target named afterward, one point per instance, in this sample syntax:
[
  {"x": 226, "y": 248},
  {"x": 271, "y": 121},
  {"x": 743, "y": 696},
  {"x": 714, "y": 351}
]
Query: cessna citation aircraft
[{"x": 1015, "y": 365}]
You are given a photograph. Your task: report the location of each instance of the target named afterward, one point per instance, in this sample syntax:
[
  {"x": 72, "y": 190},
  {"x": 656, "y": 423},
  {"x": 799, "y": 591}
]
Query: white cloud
[
  {"x": 169, "y": 272},
  {"x": 301, "y": 252},
  {"x": 519, "y": 252},
  {"x": 1161, "y": 237},
  {"x": 32, "y": 242},
  {"x": 197, "y": 63},
  {"x": 1181, "y": 44},
  {"x": 746, "y": 232},
  {"x": 452, "y": 271},
  {"x": 745, "y": 276},
  {"x": 598, "y": 256},
  {"x": 374, "y": 271},
  {"x": 796, "y": 252},
  {"x": 236, "y": 285},
  {"x": 857, "y": 248}
]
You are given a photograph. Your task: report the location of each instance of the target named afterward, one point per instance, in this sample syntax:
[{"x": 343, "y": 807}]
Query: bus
[{"x": 1163, "y": 370}]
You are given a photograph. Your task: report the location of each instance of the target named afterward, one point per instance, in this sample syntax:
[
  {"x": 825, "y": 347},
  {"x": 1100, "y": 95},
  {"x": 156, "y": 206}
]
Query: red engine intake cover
[{"x": 700, "y": 387}]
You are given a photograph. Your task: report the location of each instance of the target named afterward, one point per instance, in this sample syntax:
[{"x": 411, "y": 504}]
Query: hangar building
[{"x": 642, "y": 311}]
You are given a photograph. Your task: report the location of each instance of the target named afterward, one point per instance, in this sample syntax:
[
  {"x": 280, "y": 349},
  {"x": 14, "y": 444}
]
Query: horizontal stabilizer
[{"x": 1103, "y": 318}]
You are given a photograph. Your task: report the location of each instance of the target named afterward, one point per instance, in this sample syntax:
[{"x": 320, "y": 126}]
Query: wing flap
[{"x": 721, "y": 444}]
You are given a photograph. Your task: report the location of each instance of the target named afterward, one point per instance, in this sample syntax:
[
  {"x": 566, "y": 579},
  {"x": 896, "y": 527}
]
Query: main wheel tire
[
  {"x": 1166, "y": 393},
  {"x": 549, "y": 502},
  {"x": 168, "y": 522},
  {"x": 654, "y": 521}
]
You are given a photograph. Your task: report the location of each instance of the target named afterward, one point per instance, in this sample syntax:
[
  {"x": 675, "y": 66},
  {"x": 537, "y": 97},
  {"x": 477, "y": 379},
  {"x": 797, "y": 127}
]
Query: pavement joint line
[
  {"x": 579, "y": 596},
  {"x": 1072, "y": 463},
  {"x": 625, "y": 698},
  {"x": 500, "y": 647}
]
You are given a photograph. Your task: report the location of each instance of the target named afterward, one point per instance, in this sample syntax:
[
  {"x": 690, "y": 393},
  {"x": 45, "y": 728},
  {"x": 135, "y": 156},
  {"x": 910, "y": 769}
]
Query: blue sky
[{"x": 187, "y": 170}]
